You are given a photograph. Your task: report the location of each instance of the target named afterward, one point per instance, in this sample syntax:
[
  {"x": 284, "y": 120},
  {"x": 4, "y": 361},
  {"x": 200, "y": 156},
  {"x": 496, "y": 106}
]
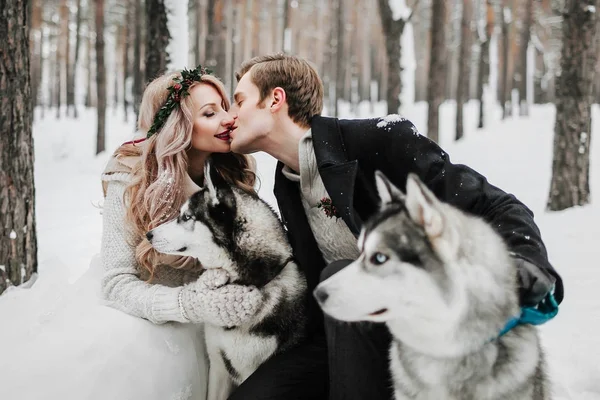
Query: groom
[{"x": 325, "y": 189}]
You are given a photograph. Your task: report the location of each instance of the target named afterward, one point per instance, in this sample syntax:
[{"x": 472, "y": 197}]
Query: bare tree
[
  {"x": 437, "y": 68},
  {"x": 72, "y": 79},
  {"x": 18, "y": 241},
  {"x": 484, "y": 33},
  {"x": 506, "y": 21},
  {"x": 100, "y": 77},
  {"x": 200, "y": 32},
  {"x": 157, "y": 57},
  {"x": 570, "y": 185},
  {"x": 525, "y": 38},
  {"x": 393, "y": 29},
  {"x": 89, "y": 98},
  {"x": 137, "y": 72},
  {"x": 127, "y": 34},
  {"x": 464, "y": 65},
  {"x": 340, "y": 65},
  {"x": 212, "y": 37}
]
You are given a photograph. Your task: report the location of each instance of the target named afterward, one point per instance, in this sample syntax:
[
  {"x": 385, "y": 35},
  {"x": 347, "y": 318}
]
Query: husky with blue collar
[{"x": 446, "y": 286}]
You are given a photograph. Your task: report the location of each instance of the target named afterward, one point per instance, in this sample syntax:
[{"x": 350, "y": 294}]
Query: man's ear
[{"x": 278, "y": 99}]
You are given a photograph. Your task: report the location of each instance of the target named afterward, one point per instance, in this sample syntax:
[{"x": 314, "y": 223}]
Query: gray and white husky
[
  {"x": 445, "y": 285},
  {"x": 224, "y": 227}
]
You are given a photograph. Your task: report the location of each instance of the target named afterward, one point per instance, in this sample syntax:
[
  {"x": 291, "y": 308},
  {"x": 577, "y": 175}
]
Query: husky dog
[
  {"x": 224, "y": 227},
  {"x": 445, "y": 285}
]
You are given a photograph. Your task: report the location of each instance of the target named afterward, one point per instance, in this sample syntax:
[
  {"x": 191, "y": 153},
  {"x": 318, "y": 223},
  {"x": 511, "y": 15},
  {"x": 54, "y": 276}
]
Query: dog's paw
[{"x": 214, "y": 278}]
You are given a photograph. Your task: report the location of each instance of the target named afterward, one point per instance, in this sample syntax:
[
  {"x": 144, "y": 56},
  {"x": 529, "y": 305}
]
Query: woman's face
[{"x": 212, "y": 124}]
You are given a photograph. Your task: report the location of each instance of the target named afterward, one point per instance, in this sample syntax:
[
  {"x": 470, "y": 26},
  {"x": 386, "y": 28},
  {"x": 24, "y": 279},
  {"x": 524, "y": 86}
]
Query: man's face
[{"x": 254, "y": 120}]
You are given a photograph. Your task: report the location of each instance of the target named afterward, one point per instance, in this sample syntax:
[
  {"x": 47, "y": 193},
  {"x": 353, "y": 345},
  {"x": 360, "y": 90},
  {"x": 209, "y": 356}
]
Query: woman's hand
[
  {"x": 214, "y": 278},
  {"x": 210, "y": 299}
]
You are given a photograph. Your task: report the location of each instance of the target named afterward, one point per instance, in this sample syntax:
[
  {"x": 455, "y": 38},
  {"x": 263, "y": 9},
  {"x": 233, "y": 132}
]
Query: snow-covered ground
[{"x": 40, "y": 345}]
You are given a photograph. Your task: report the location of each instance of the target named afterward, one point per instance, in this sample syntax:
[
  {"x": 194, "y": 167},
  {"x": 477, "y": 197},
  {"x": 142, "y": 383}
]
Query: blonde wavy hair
[{"x": 155, "y": 192}]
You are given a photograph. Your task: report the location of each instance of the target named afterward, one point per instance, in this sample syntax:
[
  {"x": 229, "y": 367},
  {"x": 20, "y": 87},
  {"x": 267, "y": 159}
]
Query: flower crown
[{"x": 176, "y": 92}]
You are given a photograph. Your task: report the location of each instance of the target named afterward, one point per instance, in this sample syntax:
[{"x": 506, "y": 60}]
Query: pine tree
[
  {"x": 570, "y": 185},
  {"x": 18, "y": 241}
]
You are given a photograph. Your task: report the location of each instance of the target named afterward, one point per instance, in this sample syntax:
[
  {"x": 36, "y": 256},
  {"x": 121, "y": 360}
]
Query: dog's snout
[
  {"x": 321, "y": 295},
  {"x": 149, "y": 235}
]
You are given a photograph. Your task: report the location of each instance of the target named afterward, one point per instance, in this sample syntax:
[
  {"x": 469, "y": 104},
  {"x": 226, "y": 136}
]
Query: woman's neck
[{"x": 196, "y": 161}]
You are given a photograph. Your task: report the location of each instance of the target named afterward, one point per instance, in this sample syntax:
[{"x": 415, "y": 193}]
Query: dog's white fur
[
  {"x": 262, "y": 236},
  {"x": 444, "y": 322}
]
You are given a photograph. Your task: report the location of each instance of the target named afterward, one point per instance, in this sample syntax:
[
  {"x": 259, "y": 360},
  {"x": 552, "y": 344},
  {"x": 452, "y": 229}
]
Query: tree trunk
[
  {"x": 286, "y": 32},
  {"x": 58, "y": 73},
  {"x": 484, "y": 58},
  {"x": 126, "y": 63},
  {"x": 572, "y": 130},
  {"x": 64, "y": 53},
  {"x": 212, "y": 37},
  {"x": 157, "y": 39},
  {"x": 220, "y": 51},
  {"x": 365, "y": 79},
  {"x": 525, "y": 38},
  {"x": 200, "y": 38},
  {"x": 504, "y": 89},
  {"x": 392, "y": 30},
  {"x": 138, "y": 76},
  {"x": 69, "y": 67},
  {"x": 73, "y": 79},
  {"x": 437, "y": 69},
  {"x": 18, "y": 242},
  {"x": 100, "y": 77},
  {"x": 89, "y": 99},
  {"x": 340, "y": 67},
  {"x": 464, "y": 65}
]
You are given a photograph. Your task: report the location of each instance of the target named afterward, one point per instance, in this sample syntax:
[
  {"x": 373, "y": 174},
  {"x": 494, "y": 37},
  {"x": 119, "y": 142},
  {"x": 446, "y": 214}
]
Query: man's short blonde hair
[{"x": 295, "y": 75}]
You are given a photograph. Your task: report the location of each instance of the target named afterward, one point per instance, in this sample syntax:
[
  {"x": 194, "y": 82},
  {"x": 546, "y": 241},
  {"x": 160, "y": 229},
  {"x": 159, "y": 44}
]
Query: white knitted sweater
[
  {"x": 122, "y": 285},
  {"x": 334, "y": 238}
]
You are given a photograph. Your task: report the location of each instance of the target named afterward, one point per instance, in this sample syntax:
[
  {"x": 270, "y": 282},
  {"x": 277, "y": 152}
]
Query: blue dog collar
[{"x": 537, "y": 315}]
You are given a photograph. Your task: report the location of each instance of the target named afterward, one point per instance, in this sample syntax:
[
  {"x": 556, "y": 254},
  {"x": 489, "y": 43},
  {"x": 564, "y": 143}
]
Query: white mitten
[
  {"x": 214, "y": 278},
  {"x": 211, "y": 300}
]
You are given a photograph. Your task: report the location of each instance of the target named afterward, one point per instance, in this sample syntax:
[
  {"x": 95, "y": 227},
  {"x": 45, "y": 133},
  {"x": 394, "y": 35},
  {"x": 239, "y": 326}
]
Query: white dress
[{"x": 71, "y": 345}]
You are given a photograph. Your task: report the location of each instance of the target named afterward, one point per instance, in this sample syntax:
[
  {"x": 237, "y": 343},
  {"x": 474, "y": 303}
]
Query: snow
[
  {"x": 389, "y": 119},
  {"x": 63, "y": 343},
  {"x": 399, "y": 9},
  {"x": 590, "y": 9},
  {"x": 12, "y": 235}
]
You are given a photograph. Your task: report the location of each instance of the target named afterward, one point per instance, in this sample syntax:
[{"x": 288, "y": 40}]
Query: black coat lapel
[{"x": 337, "y": 171}]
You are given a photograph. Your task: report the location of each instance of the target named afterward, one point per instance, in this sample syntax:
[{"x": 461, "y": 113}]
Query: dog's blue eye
[
  {"x": 379, "y": 258},
  {"x": 185, "y": 217}
]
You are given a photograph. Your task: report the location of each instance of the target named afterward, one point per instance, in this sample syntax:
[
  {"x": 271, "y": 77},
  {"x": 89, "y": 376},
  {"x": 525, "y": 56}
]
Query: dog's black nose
[
  {"x": 149, "y": 236},
  {"x": 321, "y": 295}
]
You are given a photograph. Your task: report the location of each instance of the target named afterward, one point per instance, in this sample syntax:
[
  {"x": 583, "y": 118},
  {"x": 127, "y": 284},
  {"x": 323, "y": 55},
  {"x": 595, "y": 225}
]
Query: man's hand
[
  {"x": 534, "y": 283},
  {"x": 211, "y": 300}
]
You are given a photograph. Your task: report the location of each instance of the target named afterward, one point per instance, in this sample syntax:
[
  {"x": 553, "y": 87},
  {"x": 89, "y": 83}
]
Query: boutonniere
[{"x": 328, "y": 207}]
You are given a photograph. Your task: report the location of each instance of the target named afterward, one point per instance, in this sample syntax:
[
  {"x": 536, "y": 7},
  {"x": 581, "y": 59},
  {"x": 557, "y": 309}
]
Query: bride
[{"x": 149, "y": 344}]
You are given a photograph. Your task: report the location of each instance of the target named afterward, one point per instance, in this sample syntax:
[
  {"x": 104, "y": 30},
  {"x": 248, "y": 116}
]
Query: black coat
[{"x": 348, "y": 153}]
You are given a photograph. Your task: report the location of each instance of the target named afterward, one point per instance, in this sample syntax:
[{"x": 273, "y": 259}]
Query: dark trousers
[{"x": 350, "y": 363}]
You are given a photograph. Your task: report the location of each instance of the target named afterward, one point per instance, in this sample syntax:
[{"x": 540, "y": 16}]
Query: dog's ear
[
  {"x": 388, "y": 193},
  {"x": 423, "y": 206},
  {"x": 213, "y": 181},
  {"x": 218, "y": 188}
]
